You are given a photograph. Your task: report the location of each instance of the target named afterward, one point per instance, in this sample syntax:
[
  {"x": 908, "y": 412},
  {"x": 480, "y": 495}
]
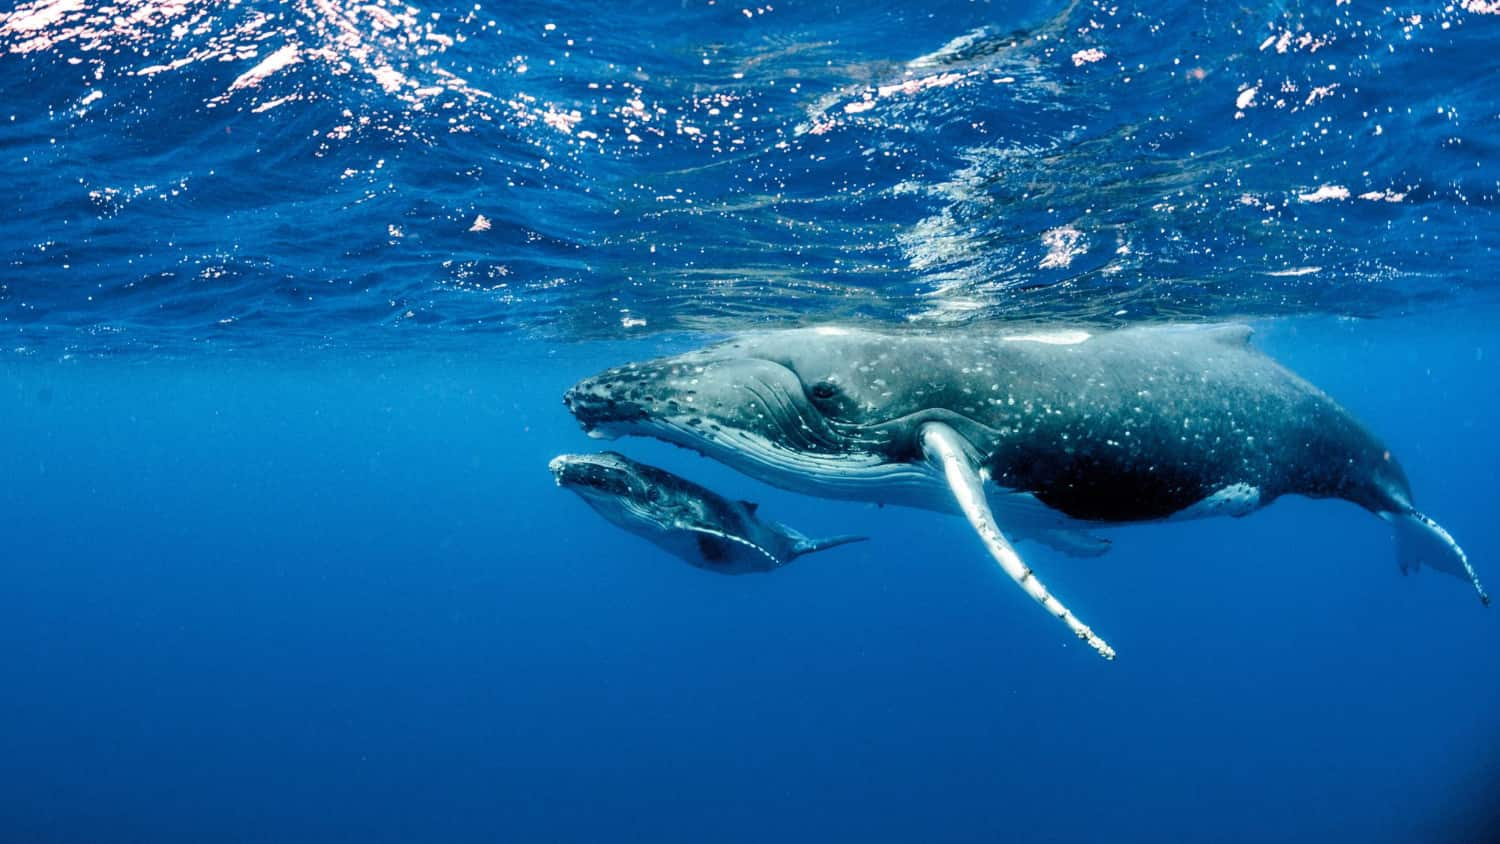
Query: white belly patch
[{"x": 1233, "y": 500}]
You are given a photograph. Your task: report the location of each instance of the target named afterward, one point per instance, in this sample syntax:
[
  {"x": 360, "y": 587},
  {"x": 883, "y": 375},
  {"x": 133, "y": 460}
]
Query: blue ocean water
[{"x": 291, "y": 292}]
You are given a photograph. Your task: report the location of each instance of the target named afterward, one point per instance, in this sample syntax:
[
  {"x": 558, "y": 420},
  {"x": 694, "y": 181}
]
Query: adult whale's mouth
[
  {"x": 599, "y": 414},
  {"x": 704, "y": 398}
]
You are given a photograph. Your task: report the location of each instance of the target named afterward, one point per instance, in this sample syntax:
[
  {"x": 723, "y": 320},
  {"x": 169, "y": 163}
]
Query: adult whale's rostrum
[{"x": 1030, "y": 434}]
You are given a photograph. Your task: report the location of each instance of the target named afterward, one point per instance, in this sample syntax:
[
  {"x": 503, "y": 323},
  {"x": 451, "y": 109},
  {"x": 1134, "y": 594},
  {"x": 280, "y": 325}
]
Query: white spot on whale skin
[
  {"x": 1051, "y": 338},
  {"x": 831, "y": 331}
]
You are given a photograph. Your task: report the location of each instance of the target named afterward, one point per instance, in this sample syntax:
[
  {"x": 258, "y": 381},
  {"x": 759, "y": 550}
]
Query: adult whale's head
[{"x": 826, "y": 410}]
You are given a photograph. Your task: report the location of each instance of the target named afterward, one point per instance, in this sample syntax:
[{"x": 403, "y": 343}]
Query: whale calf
[
  {"x": 694, "y": 523},
  {"x": 1037, "y": 435}
]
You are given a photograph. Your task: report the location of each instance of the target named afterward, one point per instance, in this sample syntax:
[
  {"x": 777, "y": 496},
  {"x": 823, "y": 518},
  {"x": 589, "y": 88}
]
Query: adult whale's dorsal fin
[
  {"x": 1233, "y": 334},
  {"x": 945, "y": 449},
  {"x": 1230, "y": 334}
]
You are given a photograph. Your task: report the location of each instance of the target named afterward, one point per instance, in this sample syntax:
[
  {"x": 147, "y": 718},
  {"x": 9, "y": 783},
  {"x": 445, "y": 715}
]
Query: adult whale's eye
[{"x": 825, "y": 390}]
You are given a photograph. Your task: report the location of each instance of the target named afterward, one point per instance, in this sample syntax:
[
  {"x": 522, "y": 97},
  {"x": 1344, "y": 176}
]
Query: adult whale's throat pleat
[
  {"x": 781, "y": 412},
  {"x": 944, "y": 447}
]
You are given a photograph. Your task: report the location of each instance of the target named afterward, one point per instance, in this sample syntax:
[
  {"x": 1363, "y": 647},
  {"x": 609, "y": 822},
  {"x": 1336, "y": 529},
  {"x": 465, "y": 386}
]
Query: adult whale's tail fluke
[{"x": 1421, "y": 541}]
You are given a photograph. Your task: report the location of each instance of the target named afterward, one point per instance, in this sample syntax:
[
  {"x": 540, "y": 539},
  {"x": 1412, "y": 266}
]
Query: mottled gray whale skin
[
  {"x": 1062, "y": 430},
  {"x": 1125, "y": 426},
  {"x": 690, "y": 521}
]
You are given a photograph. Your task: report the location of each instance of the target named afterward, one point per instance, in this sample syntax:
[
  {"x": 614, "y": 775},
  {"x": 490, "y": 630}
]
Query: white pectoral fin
[
  {"x": 1421, "y": 541},
  {"x": 945, "y": 448}
]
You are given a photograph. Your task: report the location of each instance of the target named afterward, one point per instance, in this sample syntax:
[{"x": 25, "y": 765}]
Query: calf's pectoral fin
[
  {"x": 712, "y": 548},
  {"x": 1422, "y": 541},
  {"x": 719, "y": 547},
  {"x": 945, "y": 449}
]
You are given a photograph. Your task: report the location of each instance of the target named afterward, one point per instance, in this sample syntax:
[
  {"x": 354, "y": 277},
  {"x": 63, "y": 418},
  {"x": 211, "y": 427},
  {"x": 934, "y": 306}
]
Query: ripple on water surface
[{"x": 341, "y": 173}]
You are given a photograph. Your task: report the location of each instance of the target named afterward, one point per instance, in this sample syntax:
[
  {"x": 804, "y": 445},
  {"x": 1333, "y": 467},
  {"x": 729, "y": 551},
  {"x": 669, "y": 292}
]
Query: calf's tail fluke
[
  {"x": 1421, "y": 541},
  {"x": 807, "y": 545}
]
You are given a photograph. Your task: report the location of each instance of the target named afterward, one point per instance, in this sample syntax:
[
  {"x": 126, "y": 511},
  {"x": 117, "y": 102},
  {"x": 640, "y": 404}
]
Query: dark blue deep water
[{"x": 289, "y": 294}]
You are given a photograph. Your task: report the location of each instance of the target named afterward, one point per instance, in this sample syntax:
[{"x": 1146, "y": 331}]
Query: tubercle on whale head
[
  {"x": 606, "y": 473},
  {"x": 585, "y": 469},
  {"x": 597, "y": 410},
  {"x": 695, "y": 390}
]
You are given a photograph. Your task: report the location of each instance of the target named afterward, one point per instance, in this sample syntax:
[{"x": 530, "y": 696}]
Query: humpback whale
[
  {"x": 1038, "y": 435},
  {"x": 694, "y": 523}
]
